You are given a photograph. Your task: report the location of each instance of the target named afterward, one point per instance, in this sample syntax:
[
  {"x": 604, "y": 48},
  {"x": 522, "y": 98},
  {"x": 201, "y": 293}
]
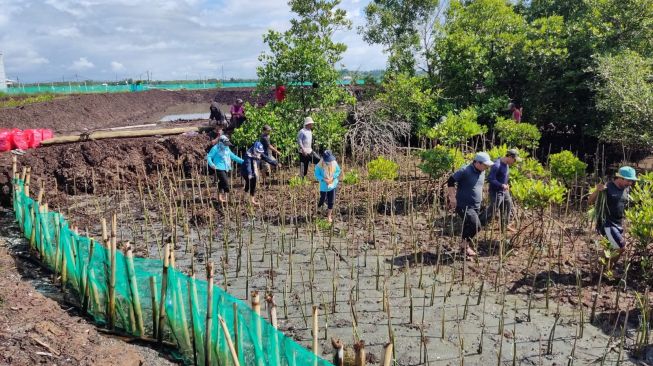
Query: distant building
[{"x": 3, "y": 77}]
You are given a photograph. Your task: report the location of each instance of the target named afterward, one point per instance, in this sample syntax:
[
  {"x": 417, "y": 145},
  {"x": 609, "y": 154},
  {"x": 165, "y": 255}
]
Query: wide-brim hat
[
  {"x": 308, "y": 121},
  {"x": 627, "y": 173}
]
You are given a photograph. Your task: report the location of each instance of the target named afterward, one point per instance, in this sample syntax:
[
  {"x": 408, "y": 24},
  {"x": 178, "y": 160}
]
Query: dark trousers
[
  {"x": 500, "y": 204},
  {"x": 250, "y": 186},
  {"x": 305, "y": 161},
  {"x": 222, "y": 176},
  {"x": 329, "y": 197},
  {"x": 471, "y": 221}
]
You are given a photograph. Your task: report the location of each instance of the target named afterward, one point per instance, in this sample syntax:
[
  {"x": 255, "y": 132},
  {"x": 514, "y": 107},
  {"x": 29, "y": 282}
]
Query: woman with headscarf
[
  {"x": 327, "y": 172},
  {"x": 251, "y": 168},
  {"x": 219, "y": 160}
]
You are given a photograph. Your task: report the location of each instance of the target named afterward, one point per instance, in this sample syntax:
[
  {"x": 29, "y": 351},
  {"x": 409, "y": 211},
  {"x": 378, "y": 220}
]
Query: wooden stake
[
  {"x": 164, "y": 289},
  {"x": 315, "y": 330},
  {"x": 234, "y": 355},
  {"x": 154, "y": 306},
  {"x": 112, "y": 275},
  {"x": 133, "y": 286},
  {"x": 387, "y": 355},
  {"x": 339, "y": 354},
  {"x": 361, "y": 357},
  {"x": 209, "y": 314}
]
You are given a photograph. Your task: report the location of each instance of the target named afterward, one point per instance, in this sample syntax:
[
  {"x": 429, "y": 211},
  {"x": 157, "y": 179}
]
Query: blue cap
[
  {"x": 327, "y": 156},
  {"x": 627, "y": 173},
  {"x": 258, "y": 147},
  {"x": 483, "y": 158},
  {"x": 225, "y": 140}
]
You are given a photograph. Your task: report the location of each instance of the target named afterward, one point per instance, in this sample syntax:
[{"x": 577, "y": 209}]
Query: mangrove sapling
[{"x": 549, "y": 344}]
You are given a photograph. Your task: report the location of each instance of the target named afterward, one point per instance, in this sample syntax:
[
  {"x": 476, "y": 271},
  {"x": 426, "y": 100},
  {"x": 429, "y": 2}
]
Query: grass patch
[{"x": 19, "y": 102}]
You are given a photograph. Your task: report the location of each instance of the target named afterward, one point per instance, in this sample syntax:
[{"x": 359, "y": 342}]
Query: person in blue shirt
[
  {"x": 500, "y": 199},
  {"x": 219, "y": 160},
  {"x": 251, "y": 168},
  {"x": 327, "y": 172},
  {"x": 465, "y": 193}
]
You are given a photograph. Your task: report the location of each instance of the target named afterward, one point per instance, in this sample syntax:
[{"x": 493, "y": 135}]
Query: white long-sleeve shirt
[{"x": 305, "y": 141}]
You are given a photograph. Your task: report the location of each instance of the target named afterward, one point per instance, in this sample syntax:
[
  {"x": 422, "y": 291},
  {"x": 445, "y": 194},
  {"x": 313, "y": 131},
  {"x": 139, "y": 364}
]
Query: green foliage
[
  {"x": 397, "y": 25},
  {"x": 304, "y": 59},
  {"x": 411, "y": 99},
  {"x": 515, "y": 134},
  {"x": 441, "y": 160},
  {"x": 382, "y": 169},
  {"x": 529, "y": 168},
  {"x": 456, "y": 128},
  {"x": 538, "y": 194},
  {"x": 19, "y": 102},
  {"x": 625, "y": 95},
  {"x": 297, "y": 181},
  {"x": 498, "y": 151},
  {"x": 566, "y": 166},
  {"x": 640, "y": 213},
  {"x": 351, "y": 177}
]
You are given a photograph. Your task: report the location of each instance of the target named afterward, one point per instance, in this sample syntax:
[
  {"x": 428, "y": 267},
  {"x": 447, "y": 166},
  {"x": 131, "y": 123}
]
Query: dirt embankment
[{"x": 83, "y": 112}]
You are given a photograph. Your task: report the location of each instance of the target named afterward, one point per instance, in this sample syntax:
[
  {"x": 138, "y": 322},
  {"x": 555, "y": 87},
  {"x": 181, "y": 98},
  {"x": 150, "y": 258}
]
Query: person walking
[
  {"x": 251, "y": 169},
  {"x": 268, "y": 148},
  {"x": 305, "y": 145},
  {"x": 614, "y": 207},
  {"x": 219, "y": 160},
  {"x": 500, "y": 198},
  {"x": 327, "y": 172},
  {"x": 465, "y": 193}
]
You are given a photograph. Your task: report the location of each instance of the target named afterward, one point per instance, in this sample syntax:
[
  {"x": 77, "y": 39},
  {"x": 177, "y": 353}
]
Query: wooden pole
[
  {"x": 209, "y": 314},
  {"x": 99, "y": 135},
  {"x": 339, "y": 354},
  {"x": 234, "y": 355},
  {"x": 272, "y": 308},
  {"x": 133, "y": 286},
  {"x": 387, "y": 356},
  {"x": 91, "y": 248},
  {"x": 154, "y": 307},
  {"x": 236, "y": 332},
  {"x": 14, "y": 166},
  {"x": 164, "y": 288},
  {"x": 315, "y": 330},
  {"x": 360, "y": 359},
  {"x": 112, "y": 275}
]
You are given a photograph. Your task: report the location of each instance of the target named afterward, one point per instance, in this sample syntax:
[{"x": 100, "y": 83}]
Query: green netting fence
[{"x": 85, "y": 267}]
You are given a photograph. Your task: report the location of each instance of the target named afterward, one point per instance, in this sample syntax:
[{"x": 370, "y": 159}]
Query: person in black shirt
[
  {"x": 216, "y": 115},
  {"x": 616, "y": 194},
  {"x": 268, "y": 148}
]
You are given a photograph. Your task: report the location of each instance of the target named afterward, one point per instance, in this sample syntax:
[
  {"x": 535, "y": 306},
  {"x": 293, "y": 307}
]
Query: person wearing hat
[
  {"x": 237, "y": 112},
  {"x": 327, "y": 172},
  {"x": 617, "y": 197},
  {"x": 219, "y": 160},
  {"x": 267, "y": 148},
  {"x": 216, "y": 117},
  {"x": 465, "y": 193},
  {"x": 251, "y": 167},
  {"x": 305, "y": 145},
  {"x": 500, "y": 199}
]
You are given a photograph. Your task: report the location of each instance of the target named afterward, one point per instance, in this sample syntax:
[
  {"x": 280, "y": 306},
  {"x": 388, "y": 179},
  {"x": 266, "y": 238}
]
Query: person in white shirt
[{"x": 305, "y": 147}]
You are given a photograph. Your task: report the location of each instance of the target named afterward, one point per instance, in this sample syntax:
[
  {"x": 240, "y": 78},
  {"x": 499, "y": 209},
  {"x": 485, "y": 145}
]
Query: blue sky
[{"x": 55, "y": 40}]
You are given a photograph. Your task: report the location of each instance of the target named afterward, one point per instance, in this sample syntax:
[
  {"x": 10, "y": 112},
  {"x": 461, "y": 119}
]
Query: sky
[{"x": 66, "y": 40}]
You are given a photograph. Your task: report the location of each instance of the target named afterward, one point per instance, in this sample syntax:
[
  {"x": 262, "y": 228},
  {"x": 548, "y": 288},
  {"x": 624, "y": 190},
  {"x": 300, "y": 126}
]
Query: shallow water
[{"x": 184, "y": 117}]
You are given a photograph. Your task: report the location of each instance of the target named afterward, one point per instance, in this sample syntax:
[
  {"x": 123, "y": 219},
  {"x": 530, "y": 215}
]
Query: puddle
[{"x": 184, "y": 117}]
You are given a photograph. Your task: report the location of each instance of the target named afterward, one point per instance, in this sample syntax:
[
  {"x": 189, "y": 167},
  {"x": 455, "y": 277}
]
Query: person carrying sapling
[
  {"x": 219, "y": 160},
  {"x": 251, "y": 168},
  {"x": 327, "y": 172},
  {"x": 613, "y": 207}
]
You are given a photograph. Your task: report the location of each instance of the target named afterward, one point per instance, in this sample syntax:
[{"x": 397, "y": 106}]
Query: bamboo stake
[
  {"x": 339, "y": 354},
  {"x": 209, "y": 314},
  {"x": 315, "y": 331},
  {"x": 133, "y": 286},
  {"x": 164, "y": 288},
  {"x": 234, "y": 355},
  {"x": 154, "y": 308},
  {"x": 387, "y": 355},
  {"x": 112, "y": 276},
  {"x": 360, "y": 359}
]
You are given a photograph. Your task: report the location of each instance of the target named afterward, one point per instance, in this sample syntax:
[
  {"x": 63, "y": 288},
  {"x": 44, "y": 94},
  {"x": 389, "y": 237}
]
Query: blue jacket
[
  {"x": 499, "y": 173},
  {"x": 251, "y": 164},
  {"x": 319, "y": 175},
  {"x": 220, "y": 157}
]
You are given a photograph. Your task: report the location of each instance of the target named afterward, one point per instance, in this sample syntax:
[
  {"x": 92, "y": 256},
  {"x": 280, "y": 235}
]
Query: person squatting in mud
[
  {"x": 250, "y": 168},
  {"x": 614, "y": 207},
  {"x": 219, "y": 161},
  {"x": 327, "y": 172}
]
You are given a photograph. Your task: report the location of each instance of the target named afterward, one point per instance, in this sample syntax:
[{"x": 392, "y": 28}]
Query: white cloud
[
  {"x": 117, "y": 66},
  {"x": 82, "y": 64},
  {"x": 169, "y": 38}
]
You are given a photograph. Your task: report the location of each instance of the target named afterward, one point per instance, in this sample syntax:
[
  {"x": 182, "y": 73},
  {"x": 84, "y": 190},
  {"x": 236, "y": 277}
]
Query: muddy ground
[{"x": 291, "y": 252}]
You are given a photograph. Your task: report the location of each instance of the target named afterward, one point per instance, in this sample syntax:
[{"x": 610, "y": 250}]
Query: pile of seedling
[{"x": 384, "y": 283}]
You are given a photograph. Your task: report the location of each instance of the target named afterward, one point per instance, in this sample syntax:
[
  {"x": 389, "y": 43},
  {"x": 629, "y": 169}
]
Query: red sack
[
  {"x": 46, "y": 134},
  {"x": 19, "y": 139},
  {"x": 5, "y": 140},
  {"x": 34, "y": 137}
]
